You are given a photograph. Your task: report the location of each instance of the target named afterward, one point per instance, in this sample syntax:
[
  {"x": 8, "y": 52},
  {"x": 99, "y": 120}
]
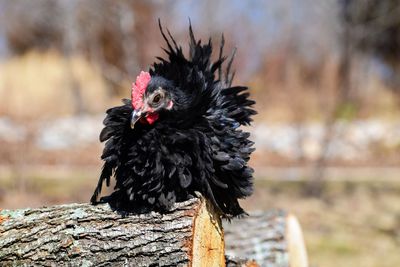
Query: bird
[{"x": 180, "y": 134}]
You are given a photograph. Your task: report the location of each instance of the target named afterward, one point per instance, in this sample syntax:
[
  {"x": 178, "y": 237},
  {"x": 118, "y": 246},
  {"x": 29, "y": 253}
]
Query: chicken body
[{"x": 180, "y": 133}]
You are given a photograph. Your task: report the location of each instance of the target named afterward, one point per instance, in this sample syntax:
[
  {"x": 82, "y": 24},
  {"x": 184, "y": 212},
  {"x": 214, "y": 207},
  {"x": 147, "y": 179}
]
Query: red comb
[{"x": 138, "y": 89}]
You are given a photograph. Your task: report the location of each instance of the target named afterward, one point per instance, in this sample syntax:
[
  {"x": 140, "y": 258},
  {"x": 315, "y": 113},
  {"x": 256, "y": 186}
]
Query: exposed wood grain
[
  {"x": 208, "y": 244},
  {"x": 296, "y": 246}
]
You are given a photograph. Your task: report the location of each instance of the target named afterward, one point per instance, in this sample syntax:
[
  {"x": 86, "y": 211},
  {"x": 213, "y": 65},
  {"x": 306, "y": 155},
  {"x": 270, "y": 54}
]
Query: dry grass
[
  {"x": 40, "y": 85},
  {"x": 290, "y": 92}
]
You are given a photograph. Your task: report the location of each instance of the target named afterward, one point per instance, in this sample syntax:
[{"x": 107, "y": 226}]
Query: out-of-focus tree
[
  {"x": 344, "y": 100},
  {"x": 375, "y": 31},
  {"x": 369, "y": 29},
  {"x": 111, "y": 34},
  {"x": 36, "y": 28}
]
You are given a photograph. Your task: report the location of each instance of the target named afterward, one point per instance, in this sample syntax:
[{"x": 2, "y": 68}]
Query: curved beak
[{"x": 136, "y": 115}]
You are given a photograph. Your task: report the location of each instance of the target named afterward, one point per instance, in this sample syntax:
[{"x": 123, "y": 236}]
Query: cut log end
[
  {"x": 208, "y": 241},
  {"x": 296, "y": 244}
]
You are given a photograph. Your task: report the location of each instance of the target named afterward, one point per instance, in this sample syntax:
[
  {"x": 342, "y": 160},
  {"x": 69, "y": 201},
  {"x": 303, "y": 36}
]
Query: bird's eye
[{"x": 156, "y": 99}]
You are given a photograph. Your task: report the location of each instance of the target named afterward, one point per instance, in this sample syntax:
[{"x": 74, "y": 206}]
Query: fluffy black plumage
[{"x": 195, "y": 145}]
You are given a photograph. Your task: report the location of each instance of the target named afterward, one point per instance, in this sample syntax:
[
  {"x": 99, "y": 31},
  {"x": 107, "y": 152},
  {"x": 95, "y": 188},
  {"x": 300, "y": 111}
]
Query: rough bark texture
[
  {"x": 190, "y": 235},
  {"x": 269, "y": 238},
  {"x": 86, "y": 235},
  {"x": 260, "y": 236},
  {"x": 236, "y": 262}
]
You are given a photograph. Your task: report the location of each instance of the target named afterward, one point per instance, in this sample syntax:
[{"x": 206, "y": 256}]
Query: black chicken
[{"x": 179, "y": 134}]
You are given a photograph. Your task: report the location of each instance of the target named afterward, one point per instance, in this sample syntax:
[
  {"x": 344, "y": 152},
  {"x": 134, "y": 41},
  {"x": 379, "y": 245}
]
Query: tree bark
[
  {"x": 189, "y": 235},
  {"x": 273, "y": 238},
  {"x": 86, "y": 235}
]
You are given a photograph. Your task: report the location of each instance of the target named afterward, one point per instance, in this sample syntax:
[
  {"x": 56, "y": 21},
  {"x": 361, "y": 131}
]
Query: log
[
  {"x": 86, "y": 235},
  {"x": 190, "y": 235},
  {"x": 273, "y": 238}
]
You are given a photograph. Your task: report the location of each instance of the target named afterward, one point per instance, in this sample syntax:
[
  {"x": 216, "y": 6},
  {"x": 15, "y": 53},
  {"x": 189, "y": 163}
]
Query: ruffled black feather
[{"x": 197, "y": 146}]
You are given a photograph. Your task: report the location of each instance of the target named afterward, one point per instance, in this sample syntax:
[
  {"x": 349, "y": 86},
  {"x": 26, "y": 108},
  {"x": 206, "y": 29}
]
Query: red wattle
[{"x": 151, "y": 118}]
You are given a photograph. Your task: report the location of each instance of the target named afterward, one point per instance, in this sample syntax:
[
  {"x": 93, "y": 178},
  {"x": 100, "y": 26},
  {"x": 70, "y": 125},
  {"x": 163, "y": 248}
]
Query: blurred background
[{"x": 325, "y": 75}]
